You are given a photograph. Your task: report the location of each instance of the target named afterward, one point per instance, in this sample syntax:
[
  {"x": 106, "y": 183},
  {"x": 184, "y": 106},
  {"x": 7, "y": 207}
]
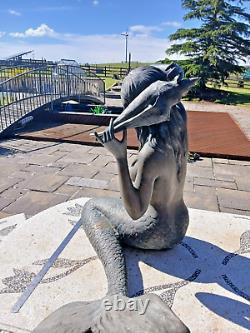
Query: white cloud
[
  {"x": 95, "y": 2},
  {"x": 14, "y": 12},
  {"x": 92, "y": 48},
  {"x": 2, "y": 33},
  {"x": 42, "y": 31},
  {"x": 174, "y": 24},
  {"x": 142, "y": 44},
  {"x": 144, "y": 29},
  {"x": 147, "y": 30}
]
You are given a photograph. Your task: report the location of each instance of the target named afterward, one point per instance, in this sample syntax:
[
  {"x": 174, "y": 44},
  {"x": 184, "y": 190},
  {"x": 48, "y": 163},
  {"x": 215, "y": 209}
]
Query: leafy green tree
[{"x": 215, "y": 48}]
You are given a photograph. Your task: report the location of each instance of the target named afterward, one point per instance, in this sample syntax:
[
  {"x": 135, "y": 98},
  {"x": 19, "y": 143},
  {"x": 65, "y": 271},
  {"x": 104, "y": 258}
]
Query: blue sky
[{"x": 89, "y": 30}]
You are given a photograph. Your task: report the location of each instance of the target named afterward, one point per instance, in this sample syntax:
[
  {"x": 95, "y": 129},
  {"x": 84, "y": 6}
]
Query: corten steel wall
[{"x": 210, "y": 134}]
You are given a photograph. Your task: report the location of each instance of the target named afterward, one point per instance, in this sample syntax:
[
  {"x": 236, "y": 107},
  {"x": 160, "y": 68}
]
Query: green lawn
[
  {"x": 122, "y": 64},
  {"x": 232, "y": 95},
  {"x": 223, "y": 95},
  {"x": 109, "y": 82}
]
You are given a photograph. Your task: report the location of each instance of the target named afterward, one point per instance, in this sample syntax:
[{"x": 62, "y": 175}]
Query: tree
[{"x": 215, "y": 48}]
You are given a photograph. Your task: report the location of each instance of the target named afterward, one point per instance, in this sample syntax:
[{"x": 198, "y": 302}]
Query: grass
[
  {"x": 98, "y": 109},
  {"x": 134, "y": 64},
  {"x": 109, "y": 82},
  {"x": 5, "y": 100},
  {"x": 235, "y": 82},
  {"x": 222, "y": 95},
  {"x": 229, "y": 95}
]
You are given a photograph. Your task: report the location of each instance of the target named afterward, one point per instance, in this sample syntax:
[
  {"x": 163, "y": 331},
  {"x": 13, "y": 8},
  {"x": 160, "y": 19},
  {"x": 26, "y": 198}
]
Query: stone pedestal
[{"x": 205, "y": 279}]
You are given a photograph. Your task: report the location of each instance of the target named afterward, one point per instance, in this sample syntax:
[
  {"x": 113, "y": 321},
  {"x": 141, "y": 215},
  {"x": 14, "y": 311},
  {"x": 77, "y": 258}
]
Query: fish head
[{"x": 173, "y": 91}]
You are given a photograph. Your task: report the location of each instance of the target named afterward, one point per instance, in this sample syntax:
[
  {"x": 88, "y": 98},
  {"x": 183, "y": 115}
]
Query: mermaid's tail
[
  {"x": 95, "y": 317},
  {"x": 115, "y": 312},
  {"x": 104, "y": 240}
]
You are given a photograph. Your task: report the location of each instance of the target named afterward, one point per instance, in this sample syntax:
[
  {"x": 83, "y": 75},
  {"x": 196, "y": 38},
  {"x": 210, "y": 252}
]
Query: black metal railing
[{"x": 24, "y": 90}]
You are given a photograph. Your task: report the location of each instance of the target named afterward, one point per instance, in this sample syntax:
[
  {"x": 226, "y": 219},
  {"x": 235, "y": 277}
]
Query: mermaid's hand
[{"x": 109, "y": 141}]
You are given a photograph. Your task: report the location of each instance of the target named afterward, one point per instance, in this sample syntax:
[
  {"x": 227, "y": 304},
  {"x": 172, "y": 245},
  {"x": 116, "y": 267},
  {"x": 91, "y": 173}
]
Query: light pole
[{"x": 125, "y": 34}]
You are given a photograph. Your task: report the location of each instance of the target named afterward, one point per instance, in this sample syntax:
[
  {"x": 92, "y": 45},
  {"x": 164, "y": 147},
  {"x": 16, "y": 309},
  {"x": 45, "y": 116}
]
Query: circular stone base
[{"x": 206, "y": 275}]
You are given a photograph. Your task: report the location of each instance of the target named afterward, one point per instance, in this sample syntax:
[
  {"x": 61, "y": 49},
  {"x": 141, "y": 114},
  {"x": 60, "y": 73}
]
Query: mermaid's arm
[{"x": 136, "y": 198}]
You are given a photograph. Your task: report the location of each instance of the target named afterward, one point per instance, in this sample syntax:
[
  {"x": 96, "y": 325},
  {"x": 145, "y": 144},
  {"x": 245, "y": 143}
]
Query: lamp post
[{"x": 125, "y": 34}]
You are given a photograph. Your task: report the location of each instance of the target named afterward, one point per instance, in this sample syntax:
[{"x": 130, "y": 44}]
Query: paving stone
[
  {"x": 102, "y": 160},
  {"x": 44, "y": 143},
  {"x": 113, "y": 181},
  {"x": 69, "y": 147},
  {"x": 87, "y": 182},
  {"x": 206, "y": 190},
  {"x": 193, "y": 170},
  {"x": 235, "y": 211},
  {"x": 243, "y": 183},
  {"x": 78, "y": 158},
  {"x": 231, "y": 170},
  {"x": 220, "y": 160},
  {"x": 43, "y": 183},
  {"x": 204, "y": 162},
  {"x": 8, "y": 182},
  {"x": 224, "y": 177},
  {"x": 39, "y": 159},
  {"x": 33, "y": 168},
  {"x": 81, "y": 149},
  {"x": 103, "y": 176},
  {"x": 30, "y": 149},
  {"x": 20, "y": 174},
  {"x": 189, "y": 179},
  {"x": 200, "y": 200},
  {"x": 80, "y": 170},
  {"x": 61, "y": 164},
  {"x": 68, "y": 190},
  {"x": 93, "y": 193},
  {"x": 234, "y": 199},
  {"x": 111, "y": 168},
  {"x": 49, "y": 150},
  {"x": 4, "y": 202},
  {"x": 58, "y": 153},
  {"x": 236, "y": 162},
  {"x": 114, "y": 185},
  {"x": 99, "y": 151},
  {"x": 34, "y": 202},
  {"x": 189, "y": 186},
  {"x": 8, "y": 167},
  {"x": 214, "y": 183},
  {"x": 13, "y": 193}
]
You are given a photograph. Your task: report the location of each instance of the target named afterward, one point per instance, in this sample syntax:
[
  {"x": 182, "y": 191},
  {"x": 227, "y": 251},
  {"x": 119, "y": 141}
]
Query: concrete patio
[{"x": 37, "y": 175}]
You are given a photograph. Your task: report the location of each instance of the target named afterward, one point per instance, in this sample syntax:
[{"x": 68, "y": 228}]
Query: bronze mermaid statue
[{"x": 151, "y": 215}]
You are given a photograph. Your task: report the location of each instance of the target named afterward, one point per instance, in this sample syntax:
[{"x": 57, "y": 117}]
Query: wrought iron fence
[{"x": 24, "y": 90}]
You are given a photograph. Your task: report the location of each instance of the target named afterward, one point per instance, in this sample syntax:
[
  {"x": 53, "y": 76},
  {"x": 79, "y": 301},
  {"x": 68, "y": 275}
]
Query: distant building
[
  {"x": 247, "y": 73},
  {"x": 74, "y": 66}
]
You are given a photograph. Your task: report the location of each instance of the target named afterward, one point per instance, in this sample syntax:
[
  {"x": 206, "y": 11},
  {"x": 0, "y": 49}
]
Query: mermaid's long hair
[{"x": 169, "y": 134}]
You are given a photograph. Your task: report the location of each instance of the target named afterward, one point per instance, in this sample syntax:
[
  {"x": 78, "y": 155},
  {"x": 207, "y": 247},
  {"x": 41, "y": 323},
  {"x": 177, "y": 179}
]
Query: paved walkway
[{"x": 36, "y": 175}]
